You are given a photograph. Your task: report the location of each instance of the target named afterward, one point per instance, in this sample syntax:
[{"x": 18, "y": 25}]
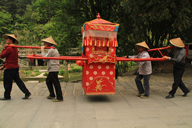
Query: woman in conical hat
[
  {"x": 178, "y": 58},
  {"x": 11, "y": 66},
  {"x": 143, "y": 44},
  {"x": 177, "y": 42},
  {"x": 49, "y": 40},
  {"x": 12, "y": 37},
  {"x": 145, "y": 70},
  {"x": 53, "y": 69}
]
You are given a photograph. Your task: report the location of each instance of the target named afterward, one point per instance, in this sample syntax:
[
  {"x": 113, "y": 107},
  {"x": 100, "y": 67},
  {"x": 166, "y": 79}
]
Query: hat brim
[
  {"x": 6, "y": 36},
  {"x": 177, "y": 45},
  {"x": 143, "y": 46},
  {"x": 49, "y": 40}
]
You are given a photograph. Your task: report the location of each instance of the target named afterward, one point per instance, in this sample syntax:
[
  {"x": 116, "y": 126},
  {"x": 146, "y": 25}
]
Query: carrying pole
[{"x": 31, "y": 47}]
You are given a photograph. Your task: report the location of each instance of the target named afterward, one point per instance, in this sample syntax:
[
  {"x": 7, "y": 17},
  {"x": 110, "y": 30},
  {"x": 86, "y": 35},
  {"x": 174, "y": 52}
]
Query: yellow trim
[
  {"x": 104, "y": 59},
  {"x": 91, "y": 41},
  {"x": 95, "y": 42},
  {"x": 87, "y": 41},
  {"x": 104, "y": 42},
  {"x": 114, "y": 24},
  {"x": 108, "y": 43},
  {"x": 116, "y": 44},
  {"x": 99, "y": 93},
  {"x": 101, "y": 52}
]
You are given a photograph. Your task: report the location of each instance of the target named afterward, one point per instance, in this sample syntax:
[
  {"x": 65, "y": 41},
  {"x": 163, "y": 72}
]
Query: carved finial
[{"x": 98, "y": 16}]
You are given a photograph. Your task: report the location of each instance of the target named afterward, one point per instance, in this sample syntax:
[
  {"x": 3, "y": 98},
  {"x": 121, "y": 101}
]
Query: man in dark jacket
[{"x": 178, "y": 59}]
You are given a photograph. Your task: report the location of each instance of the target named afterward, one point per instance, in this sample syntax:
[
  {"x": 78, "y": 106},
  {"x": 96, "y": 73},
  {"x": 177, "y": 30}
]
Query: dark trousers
[
  {"x": 139, "y": 83},
  {"x": 52, "y": 79},
  {"x": 178, "y": 70},
  {"x": 9, "y": 76}
]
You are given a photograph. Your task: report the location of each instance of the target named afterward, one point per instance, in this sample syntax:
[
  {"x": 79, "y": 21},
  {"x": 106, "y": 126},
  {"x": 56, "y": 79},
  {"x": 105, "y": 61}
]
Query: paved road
[{"x": 122, "y": 110}]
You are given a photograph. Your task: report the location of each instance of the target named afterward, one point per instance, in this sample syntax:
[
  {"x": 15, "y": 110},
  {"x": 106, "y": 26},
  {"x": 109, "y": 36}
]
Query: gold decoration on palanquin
[
  {"x": 95, "y": 41},
  {"x": 104, "y": 58},
  {"x": 99, "y": 43},
  {"x": 85, "y": 41},
  {"x": 91, "y": 41},
  {"x": 104, "y": 42},
  {"x": 99, "y": 86},
  {"x": 108, "y": 43},
  {"x": 110, "y": 59},
  {"x": 116, "y": 44}
]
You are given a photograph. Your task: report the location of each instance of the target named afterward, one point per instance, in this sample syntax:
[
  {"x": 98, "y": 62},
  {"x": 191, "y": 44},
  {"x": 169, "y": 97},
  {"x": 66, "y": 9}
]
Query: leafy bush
[
  {"x": 36, "y": 70},
  {"x": 78, "y": 69},
  {"x": 61, "y": 72},
  {"x": 72, "y": 66},
  {"x": 38, "y": 73},
  {"x": 134, "y": 64},
  {"x": 61, "y": 61},
  {"x": 45, "y": 74},
  {"x": 28, "y": 72}
]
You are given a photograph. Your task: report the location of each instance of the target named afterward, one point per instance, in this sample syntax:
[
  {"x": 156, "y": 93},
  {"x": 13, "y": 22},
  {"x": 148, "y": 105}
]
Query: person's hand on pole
[
  {"x": 42, "y": 48},
  {"x": 2, "y": 67}
]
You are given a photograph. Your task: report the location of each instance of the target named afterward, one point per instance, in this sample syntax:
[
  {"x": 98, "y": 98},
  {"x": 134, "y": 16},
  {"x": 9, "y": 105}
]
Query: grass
[{"x": 31, "y": 73}]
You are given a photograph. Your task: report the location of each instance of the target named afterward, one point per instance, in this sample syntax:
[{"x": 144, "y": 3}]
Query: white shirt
[
  {"x": 52, "y": 65},
  {"x": 145, "y": 67}
]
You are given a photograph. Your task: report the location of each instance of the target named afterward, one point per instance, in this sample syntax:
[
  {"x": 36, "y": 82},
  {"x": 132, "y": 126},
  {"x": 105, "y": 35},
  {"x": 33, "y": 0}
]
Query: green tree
[
  {"x": 5, "y": 22},
  {"x": 14, "y": 7},
  {"x": 69, "y": 16},
  {"x": 156, "y": 21}
]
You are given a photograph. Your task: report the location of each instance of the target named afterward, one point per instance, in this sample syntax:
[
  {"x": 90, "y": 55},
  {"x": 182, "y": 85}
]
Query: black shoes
[
  {"x": 169, "y": 96},
  {"x": 185, "y": 94},
  {"x": 26, "y": 96},
  {"x": 5, "y": 98}
]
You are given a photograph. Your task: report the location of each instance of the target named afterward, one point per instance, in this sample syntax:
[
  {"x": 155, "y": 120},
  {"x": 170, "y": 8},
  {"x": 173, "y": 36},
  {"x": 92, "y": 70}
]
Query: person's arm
[
  {"x": 179, "y": 58},
  {"x": 6, "y": 51},
  {"x": 49, "y": 54},
  {"x": 2, "y": 67},
  {"x": 140, "y": 55},
  {"x": 129, "y": 56}
]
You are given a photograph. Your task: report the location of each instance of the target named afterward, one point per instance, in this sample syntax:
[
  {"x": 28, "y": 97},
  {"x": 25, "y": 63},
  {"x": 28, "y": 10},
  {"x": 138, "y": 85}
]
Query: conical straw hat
[
  {"x": 177, "y": 42},
  {"x": 11, "y": 35},
  {"x": 142, "y": 44},
  {"x": 49, "y": 40}
]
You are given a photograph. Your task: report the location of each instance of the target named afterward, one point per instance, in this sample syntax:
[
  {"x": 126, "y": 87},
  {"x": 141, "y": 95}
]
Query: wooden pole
[{"x": 66, "y": 76}]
